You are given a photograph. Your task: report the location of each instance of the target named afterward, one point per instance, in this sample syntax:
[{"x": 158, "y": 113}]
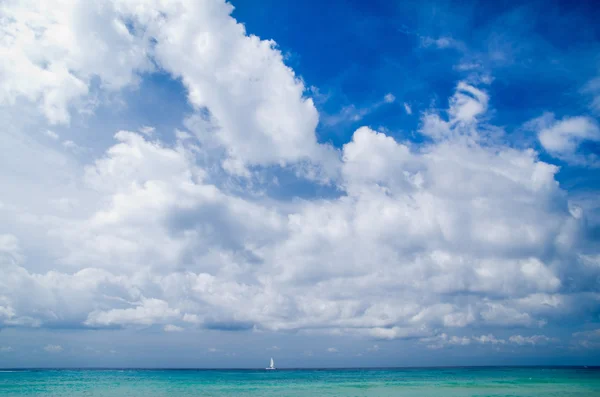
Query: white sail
[{"x": 272, "y": 366}]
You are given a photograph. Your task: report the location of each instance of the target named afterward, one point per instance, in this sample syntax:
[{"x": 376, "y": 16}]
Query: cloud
[
  {"x": 407, "y": 108},
  {"x": 443, "y": 340},
  {"x": 53, "y": 52},
  {"x": 172, "y": 328},
  {"x": 563, "y": 138},
  {"x": 468, "y": 66},
  {"x": 587, "y": 339},
  {"x": 147, "y": 130},
  {"x": 332, "y": 350},
  {"x": 592, "y": 90},
  {"x": 51, "y": 134},
  {"x": 351, "y": 114},
  {"x": 6, "y": 349},
  {"x": 417, "y": 240},
  {"x": 443, "y": 42},
  {"x": 148, "y": 311},
  {"x": 73, "y": 147},
  {"x": 531, "y": 340},
  {"x": 274, "y": 124},
  {"x": 489, "y": 339},
  {"x": 465, "y": 110},
  {"x": 164, "y": 244},
  {"x": 53, "y": 47},
  {"x": 53, "y": 348}
]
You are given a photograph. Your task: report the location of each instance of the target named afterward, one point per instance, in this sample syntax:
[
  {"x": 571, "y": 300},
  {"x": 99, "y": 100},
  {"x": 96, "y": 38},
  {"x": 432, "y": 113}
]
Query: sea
[{"x": 418, "y": 382}]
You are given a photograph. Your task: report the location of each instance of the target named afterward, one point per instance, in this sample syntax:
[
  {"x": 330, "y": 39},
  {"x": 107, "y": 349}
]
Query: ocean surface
[{"x": 447, "y": 382}]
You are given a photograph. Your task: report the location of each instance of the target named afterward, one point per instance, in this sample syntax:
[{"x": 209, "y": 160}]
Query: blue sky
[{"x": 380, "y": 184}]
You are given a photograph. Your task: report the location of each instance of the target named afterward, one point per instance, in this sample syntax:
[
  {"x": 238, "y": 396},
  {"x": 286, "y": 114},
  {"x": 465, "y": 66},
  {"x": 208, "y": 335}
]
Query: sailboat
[{"x": 272, "y": 366}]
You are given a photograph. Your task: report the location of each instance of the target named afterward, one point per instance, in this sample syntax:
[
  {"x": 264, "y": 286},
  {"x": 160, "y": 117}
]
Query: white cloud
[
  {"x": 51, "y": 134},
  {"x": 592, "y": 89},
  {"x": 6, "y": 349},
  {"x": 468, "y": 66},
  {"x": 530, "y": 340},
  {"x": 443, "y": 340},
  {"x": 423, "y": 239},
  {"x": 148, "y": 312},
  {"x": 73, "y": 147},
  {"x": 53, "y": 348},
  {"x": 407, "y": 108},
  {"x": 172, "y": 328},
  {"x": 170, "y": 246},
  {"x": 52, "y": 57},
  {"x": 147, "y": 130},
  {"x": 466, "y": 107},
  {"x": 332, "y": 350},
  {"x": 51, "y": 52},
  {"x": 467, "y": 103},
  {"x": 389, "y": 98},
  {"x": 142, "y": 178},
  {"x": 353, "y": 114},
  {"x": 562, "y": 138},
  {"x": 229, "y": 72},
  {"x": 489, "y": 339},
  {"x": 443, "y": 42}
]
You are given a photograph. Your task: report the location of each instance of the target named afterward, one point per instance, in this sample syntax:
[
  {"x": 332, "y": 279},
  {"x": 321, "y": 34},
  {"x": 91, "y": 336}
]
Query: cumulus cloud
[
  {"x": 473, "y": 220},
  {"x": 53, "y": 348},
  {"x": 52, "y": 51},
  {"x": 466, "y": 107},
  {"x": 149, "y": 311},
  {"x": 456, "y": 232},
  {"x": 563, "y": 138}
]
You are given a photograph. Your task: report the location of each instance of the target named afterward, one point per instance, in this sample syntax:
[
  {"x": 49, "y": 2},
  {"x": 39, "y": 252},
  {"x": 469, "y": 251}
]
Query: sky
[{"x": 346, "y": 183}]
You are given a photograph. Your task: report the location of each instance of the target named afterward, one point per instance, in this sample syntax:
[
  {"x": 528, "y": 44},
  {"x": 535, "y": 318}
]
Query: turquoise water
[{"x": 450, "y": 382}]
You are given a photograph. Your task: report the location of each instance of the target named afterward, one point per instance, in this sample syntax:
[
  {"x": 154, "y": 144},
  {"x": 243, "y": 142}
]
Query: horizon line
[{"x": 582, "y": 366}]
